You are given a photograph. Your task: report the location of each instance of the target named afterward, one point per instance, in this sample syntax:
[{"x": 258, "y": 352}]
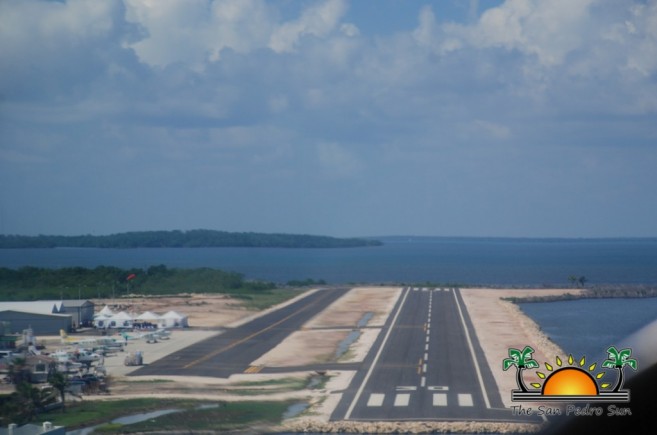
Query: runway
[
  {"x": 234, "y": 350},
  {"x": 427, "y": 366}
]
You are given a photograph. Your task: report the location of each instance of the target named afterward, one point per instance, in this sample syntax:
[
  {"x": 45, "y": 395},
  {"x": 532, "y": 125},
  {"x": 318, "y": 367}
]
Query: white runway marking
[
  {"x": 376, "y": 399},
  {"x": 472, "y": 352},
  {"x": 427, "y": 340},
  {"x": 424, "y": 368},
  {"x": 426, "y": 347},
  {"x": 402, "y": 399},
  {"x": 438, "y": 388},
  {"x": 376, "y": 359},
  {"x": 404, "y": 388},
  {"x": 423, "y": 382},
  {"x": 440, "y": 399},
  {"x": 465, "y": 400}
]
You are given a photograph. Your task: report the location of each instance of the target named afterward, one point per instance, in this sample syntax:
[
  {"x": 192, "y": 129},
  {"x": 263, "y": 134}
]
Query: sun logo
[{"x": 572, "y": 382}]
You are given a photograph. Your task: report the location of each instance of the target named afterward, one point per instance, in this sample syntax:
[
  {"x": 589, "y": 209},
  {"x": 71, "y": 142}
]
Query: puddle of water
[
  {"x": 314, "y": 381},
  {"x": 365, "y": 320},
  {"x": 138, "y": 418},
  {"x": 353, "y": 335},
  {"x": 348, "y": 341},
  {"x": 294, "y": 410}
]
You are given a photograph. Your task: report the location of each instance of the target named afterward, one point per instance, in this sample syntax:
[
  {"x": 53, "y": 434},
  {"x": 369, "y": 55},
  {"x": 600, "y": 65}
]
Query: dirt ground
[
  {"x": 499, "y": 326},
  {"x": 203, "y": 310}
]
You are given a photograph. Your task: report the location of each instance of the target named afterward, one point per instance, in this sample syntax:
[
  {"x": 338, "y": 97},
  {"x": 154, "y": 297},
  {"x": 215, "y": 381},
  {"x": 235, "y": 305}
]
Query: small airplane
[
  {"x": 93, "y": 343},
  {"x": 86, "y": 342},
  {"x": 149, "y": 337}
]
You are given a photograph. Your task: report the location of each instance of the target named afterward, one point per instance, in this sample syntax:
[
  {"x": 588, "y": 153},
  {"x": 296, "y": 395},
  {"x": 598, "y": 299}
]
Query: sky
[{"x": 510, "y": 118}]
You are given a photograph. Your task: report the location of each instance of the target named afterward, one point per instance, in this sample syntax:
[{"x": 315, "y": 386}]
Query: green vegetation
[
  {"x": 32, "y": 283},
  {"x": 194, "y": 415},
  {"x": 183, "y": 239}
]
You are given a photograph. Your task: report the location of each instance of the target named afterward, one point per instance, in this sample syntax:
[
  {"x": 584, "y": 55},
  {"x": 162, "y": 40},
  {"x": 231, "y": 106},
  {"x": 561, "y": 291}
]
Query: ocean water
[
  {"x": 476, "y": 261},
  {"x": 587, "y": 327}
]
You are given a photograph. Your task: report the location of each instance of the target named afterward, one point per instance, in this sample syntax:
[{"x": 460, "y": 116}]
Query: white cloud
[
  {"x": 196, "y": 31},
  {"x": 318, "y": 20}
]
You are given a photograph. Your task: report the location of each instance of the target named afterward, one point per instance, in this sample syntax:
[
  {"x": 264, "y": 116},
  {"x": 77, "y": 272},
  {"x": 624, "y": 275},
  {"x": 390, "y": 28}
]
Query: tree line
[
  {"x": 183, "y": 239},
  {"x": 34, "y": 283}
]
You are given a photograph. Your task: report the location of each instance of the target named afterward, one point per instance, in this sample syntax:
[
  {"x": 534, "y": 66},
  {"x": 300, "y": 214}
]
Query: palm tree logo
[
  {"x": 521, "y": 360},
  {"x": 618, "y": 360},
  {"x": 571, "y": 380}
]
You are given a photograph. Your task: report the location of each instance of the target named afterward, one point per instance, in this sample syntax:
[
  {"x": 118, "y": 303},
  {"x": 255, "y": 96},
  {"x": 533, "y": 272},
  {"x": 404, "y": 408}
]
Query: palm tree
[
  {"x": 59, "y": 382},
  {"x": 521, "y": 360},
  {"x": 617, "y": 360}
]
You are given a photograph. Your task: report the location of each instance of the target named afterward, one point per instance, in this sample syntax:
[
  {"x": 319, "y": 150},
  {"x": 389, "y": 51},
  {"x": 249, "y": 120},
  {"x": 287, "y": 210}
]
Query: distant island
[{"x": 184, "y": 239}]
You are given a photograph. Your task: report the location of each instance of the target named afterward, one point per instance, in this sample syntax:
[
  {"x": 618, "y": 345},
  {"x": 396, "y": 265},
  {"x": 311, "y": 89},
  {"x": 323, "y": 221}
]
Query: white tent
[
  {"x": 121, "y": 320},
  {"x": 149, "y": 316},
  {"x": 174, "y": 319},
  {"x": 101, "y": 321},
  {"x": 106, "y": 311}
]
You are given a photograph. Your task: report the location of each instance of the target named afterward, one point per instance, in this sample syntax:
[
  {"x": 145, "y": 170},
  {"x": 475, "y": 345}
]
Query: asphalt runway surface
[
  {"x": 234, "y": 350},
  {"x": 426, "y": 365}
]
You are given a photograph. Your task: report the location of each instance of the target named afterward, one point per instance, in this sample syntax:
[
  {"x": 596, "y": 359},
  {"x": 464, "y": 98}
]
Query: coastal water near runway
[{"x": 481, "y": 261}]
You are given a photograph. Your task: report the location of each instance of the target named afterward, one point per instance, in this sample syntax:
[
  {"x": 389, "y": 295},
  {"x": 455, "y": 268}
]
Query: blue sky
[{"x": 453, "y": 118}]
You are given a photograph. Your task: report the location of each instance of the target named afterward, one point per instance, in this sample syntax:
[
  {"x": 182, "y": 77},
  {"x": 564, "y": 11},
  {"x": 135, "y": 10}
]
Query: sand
[{"x": 499, "y": 325}]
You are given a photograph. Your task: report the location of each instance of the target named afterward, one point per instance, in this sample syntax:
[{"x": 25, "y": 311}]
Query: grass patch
[
  {"x": 270, "y": 386},
  {"x": 265, "y": 299},
  {"x": 227, "y": 417},
  {"x": 82, "y": 414}
]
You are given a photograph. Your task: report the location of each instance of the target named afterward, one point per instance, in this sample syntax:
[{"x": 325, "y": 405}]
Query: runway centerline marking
[{"x": 376, "y": 359}]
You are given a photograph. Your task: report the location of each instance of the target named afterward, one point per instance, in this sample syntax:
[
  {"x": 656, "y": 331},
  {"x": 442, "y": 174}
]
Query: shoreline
[{"x": 497, "y": 330}]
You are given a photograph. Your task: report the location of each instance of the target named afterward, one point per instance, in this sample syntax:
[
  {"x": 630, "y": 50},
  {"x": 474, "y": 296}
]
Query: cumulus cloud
[
  {"x": 197, "y": 31},
  {"x": 211, "y": 89},
  {"x": 318, "y": 20}
]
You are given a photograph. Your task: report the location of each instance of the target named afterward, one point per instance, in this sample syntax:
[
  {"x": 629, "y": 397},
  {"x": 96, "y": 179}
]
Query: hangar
[
  {"x": 41, "y": 324},
  {"x": 46, "y": 317}
]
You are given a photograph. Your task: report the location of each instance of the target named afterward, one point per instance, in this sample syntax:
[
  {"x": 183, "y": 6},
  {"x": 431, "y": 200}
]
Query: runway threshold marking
[
  {"x": 440, "y": 399},
  {"x": 472, "y": 352},
  {"x": 465, "y": 400},
  {"x": 255, "y": 334},
  {"x": 402, "y": 399},
  {"x": 376, "y": 359},
  {"x": 375, "y": 399}
]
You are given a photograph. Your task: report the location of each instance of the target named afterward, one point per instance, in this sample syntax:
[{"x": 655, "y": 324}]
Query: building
[
  {"x": 47, "y": 317},
  {"x": 41, "y": 324},
  {"x": 81, "y": 311}
]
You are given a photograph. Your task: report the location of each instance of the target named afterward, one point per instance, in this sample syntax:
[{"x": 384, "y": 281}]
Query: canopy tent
[
  {"x": 151, "y": 317},
  {"x": 101, "y": 321},
  {"x": 148, "y": 315},
  {"x": 106, "y": 311},
  {"x": 121, "y": 320},
  {"x": 174, "y": 319}
]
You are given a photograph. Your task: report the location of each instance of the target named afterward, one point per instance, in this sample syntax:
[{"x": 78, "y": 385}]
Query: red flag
[{"x": 131, "y": 276}]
